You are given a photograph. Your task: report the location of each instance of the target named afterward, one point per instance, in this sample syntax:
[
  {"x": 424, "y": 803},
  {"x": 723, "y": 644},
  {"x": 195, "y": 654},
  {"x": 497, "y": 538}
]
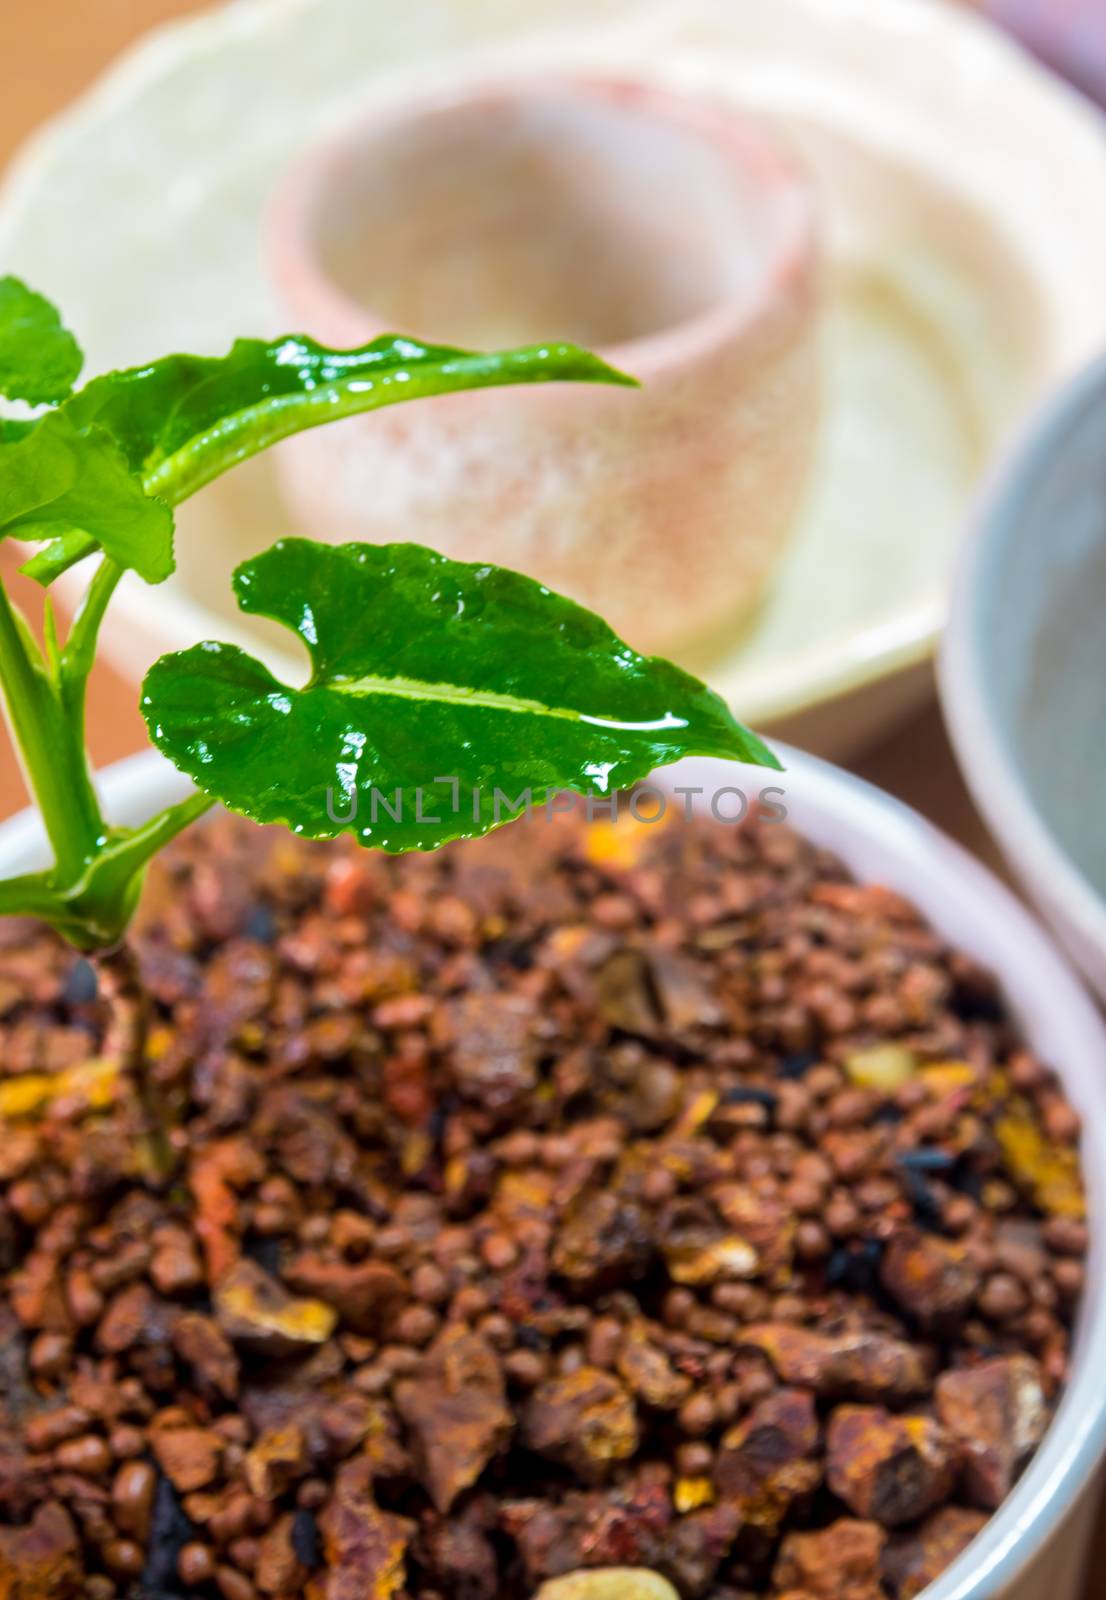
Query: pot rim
[
  {"x": 744, "y": 139},
  {"x": 884, "y": 840},
  {"x": 984, "y": 750}
]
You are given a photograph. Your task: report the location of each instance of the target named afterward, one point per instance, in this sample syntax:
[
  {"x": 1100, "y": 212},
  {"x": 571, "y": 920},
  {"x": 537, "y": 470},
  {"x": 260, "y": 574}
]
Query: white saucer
[{"x": 965, "y": 242}]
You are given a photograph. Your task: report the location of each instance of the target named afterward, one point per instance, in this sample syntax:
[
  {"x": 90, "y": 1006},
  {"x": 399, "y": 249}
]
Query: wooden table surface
[{"x": 52, "y": 50}]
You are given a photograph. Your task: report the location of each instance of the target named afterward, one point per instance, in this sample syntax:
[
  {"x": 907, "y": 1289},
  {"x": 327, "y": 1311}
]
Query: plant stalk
[
  {"x": 54, "y": 764},
  {"x": 80, "y": 647},
  {"x": 128, "y": 999}
]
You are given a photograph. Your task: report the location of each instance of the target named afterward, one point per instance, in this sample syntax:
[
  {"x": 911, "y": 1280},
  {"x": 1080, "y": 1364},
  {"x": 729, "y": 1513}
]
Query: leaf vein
[{"x": 489, "y": 699}]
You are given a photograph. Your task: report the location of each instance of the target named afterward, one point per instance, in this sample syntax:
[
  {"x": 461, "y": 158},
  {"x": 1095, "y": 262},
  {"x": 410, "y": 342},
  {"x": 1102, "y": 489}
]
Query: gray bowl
[{"x": 1023, "y": 665}]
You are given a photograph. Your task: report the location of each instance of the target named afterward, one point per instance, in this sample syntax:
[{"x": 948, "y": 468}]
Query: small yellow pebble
[
  {"x": 884, "y": 1067},
  {"x": 692, "y": 1493},
  {"x": 1050, "y": 1171},
  {"x": 92, "y": 1083},
  {"x": 722, "y": 1261},
  {"x": 945, "y": 1077},
  {"x": 618, "y": 845},
  {"x": 698, "y": 1111},
  {"x": 157, "y": 1045},
  {"x": 609, "y": 1583}
]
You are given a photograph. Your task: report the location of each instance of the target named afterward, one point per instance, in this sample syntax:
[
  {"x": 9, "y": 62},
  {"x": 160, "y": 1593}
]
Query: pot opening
[{"x": 604, "y": 212}]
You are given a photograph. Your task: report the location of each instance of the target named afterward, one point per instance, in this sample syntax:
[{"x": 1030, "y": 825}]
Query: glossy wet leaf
[
  {"x": 58, "y": 484},
  {"x": 39, "y": 358},
  {"x": 184, "y": 420},
  {"x": 58, "y": 554},
  {"x": 440, "y": 692},
  {"x": 13, "y": 428}
]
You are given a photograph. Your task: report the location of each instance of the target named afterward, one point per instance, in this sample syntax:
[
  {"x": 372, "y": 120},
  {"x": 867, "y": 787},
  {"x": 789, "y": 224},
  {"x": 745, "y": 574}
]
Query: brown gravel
[{"x": 584, "y": 1198}]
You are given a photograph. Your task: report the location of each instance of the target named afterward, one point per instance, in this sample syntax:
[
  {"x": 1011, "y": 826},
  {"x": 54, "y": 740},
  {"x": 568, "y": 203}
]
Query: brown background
[{"x": 50, "y": 54}]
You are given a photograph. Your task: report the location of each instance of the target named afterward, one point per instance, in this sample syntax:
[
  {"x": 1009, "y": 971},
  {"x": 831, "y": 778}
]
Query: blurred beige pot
[{"x": 664, "y": 230}]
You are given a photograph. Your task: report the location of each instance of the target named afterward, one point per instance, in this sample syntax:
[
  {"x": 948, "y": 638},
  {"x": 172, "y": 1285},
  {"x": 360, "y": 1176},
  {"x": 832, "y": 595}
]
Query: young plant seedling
[{"x": 474, "y": 685}]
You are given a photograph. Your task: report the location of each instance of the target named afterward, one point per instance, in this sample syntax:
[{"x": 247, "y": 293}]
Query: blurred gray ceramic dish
[
  {"x": 1023, "y": 666},
  {"x": 960, "y": 193}
]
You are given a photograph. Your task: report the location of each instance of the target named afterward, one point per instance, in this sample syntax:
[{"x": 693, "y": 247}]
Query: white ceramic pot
[
  {"x": 667, "y": 230},
  {"x": 1035, "y": 1546},
  {"x": 1023, "y": 665}
]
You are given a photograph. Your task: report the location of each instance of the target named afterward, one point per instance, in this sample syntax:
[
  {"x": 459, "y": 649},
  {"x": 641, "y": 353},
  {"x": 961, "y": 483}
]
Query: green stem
[
  {"x": 128, "y": 850},
  {"x": 153, "y": 835},
  {"x": 53, "y": 761},
  {"x": 50, "y": 648},
  {"x": 80, "y": 647},
  {"x": 31, "y": 895},
  {"x": 94, "y": 909},
  {"x": 91, "y": 892}
]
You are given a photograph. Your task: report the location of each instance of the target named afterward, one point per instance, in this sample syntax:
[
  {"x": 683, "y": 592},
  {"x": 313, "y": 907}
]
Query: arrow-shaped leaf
[{"x": 441, "y": 693}]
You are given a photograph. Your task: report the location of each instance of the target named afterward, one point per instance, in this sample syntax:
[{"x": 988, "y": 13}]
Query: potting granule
[{"x": 587, "y": 1197}]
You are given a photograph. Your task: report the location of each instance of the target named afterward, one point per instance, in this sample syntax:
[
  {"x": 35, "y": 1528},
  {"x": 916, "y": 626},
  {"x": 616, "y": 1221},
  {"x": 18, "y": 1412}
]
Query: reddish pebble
[
  {"x": 50, "y": 1354},
  {"x": 124, "y": 1558},
  {"x": 126, "y": 1442},
  {"x": 29, "y": 1201},
  {"x": 132, "y": 1497},
  {"x": 195, "y": 1564},
  {"x": 417, "y": 1325},
  {"x": 1001, "y": 1297},
  {"x": 527, "y": 1368},
  {"x": 429, "y": 1284},
  {"x": 244, "y": 1552},
  {"x": 697, "y": 1415},
  {"x": 234, "y": 1585},
  {"x": 1066, "y": 1236},
  {"x": 85, "y": 1301},
  {"x": 1069, "y": 1277},
  {"x": 499, "y": 1252},
  {"x": 87, "y": 1455}
]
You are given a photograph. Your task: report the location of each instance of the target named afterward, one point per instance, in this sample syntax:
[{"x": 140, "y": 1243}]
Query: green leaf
[
  {"x": 443, "y": 680},
  {"x": 182, "y": 421},
  {"x": 13, "y": 428},
  {"x": 39, "y": 358},
  {"x": 75, "y": 490},
  {"x": 58, "y": 556}
]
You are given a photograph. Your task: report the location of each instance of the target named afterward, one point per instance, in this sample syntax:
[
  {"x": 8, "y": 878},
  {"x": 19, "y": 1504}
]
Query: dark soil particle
[
  {"x": 585, "y": 1197},
  {"x": 80, "y": 986},
  {"x": 305, "y": 1539},
  {"x": 169, "y": 1532}
]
